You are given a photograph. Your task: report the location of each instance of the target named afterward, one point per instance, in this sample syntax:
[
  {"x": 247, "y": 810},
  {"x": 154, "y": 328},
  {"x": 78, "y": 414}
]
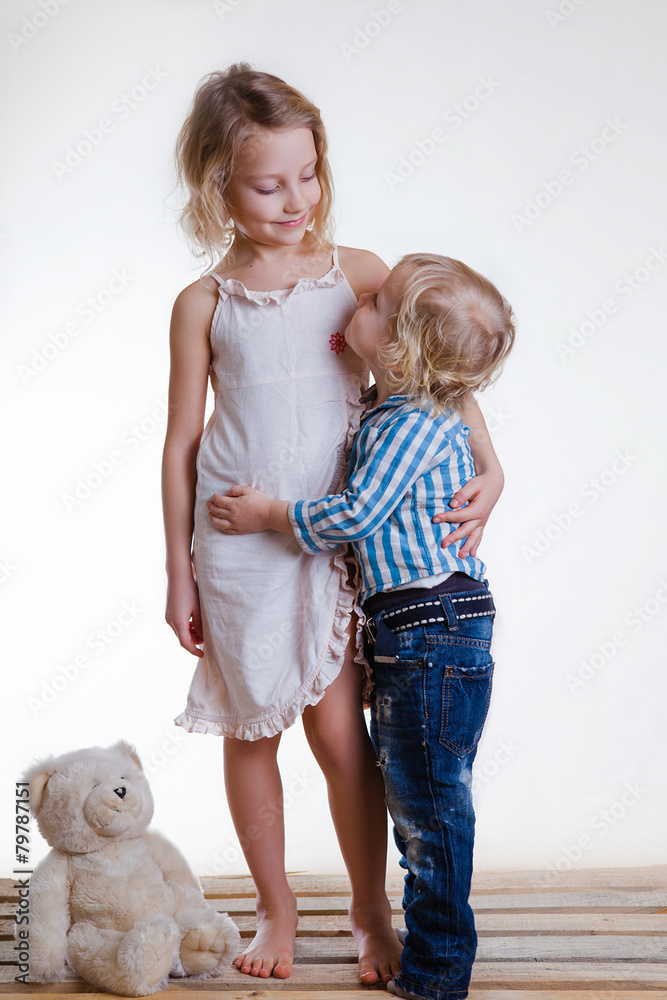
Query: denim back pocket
[{"x": 466, "y": 692}]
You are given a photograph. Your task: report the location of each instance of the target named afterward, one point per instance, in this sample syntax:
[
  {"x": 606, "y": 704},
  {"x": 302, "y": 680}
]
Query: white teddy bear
[{"x": 116, "y": 903}]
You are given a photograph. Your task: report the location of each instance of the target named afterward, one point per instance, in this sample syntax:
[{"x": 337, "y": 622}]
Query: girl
[{"x": 280, "y": 631}]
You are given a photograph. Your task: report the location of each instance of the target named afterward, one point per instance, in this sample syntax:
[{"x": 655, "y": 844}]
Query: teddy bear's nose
[{"x": 120, "y": 792}]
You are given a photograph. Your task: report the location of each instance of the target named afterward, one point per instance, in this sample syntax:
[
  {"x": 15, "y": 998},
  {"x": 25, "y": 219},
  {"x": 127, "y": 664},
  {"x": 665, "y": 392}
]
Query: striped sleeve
[{"x": 402, "y": 452}]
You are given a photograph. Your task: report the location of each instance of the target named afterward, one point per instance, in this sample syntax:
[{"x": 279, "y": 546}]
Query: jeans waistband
[{"x": 449, "y": 609}]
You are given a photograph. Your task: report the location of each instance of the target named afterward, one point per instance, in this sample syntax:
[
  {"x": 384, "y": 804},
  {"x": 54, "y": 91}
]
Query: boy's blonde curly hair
[
  {"x": 231, "y": 108},
  {"x": 450, "y": 335}
]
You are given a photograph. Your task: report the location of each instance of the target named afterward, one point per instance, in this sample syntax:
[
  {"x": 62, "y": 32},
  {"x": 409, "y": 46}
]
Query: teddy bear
[{"x": 113, "y": 900}]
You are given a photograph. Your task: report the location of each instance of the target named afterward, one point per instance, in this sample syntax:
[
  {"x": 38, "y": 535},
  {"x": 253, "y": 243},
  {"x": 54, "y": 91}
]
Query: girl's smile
[{"x": 293, "y": 222}]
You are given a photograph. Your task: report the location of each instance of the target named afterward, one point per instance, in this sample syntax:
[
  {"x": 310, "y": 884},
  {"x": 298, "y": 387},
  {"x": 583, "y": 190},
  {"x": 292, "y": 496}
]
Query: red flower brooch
[{"x": 337, "y": 342}]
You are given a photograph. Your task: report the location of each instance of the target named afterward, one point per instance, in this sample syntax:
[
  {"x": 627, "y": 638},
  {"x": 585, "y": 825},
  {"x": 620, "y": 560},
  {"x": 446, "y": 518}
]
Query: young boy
[{"x": 434, "y": 332}]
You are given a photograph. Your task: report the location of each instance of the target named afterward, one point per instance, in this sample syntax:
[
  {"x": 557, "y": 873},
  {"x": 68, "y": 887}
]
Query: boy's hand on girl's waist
[
  {"x": 472, "y": 508},
  {"x": 242, "y": 512}
]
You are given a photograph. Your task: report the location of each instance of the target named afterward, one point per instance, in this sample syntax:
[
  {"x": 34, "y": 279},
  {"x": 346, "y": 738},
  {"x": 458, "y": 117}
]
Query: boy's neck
[{"x": 382, "y": 389}]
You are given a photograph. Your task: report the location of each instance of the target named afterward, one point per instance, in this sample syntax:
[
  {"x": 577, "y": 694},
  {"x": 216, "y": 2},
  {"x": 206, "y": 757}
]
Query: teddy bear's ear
[
  {"x": 38, "y": 776},
  {"x": 126, "y": 748}
]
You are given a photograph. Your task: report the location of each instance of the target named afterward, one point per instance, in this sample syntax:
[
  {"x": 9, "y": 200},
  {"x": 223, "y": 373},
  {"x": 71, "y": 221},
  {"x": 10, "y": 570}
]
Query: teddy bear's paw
[
  {"x": 210, "y": 946},
  {"x": 50, "y": 974},
  {"x": 68, "y": 975},
  {"x": 156, "y": 957},
  {"x": 202, "y": 948},
  {"x": 146, "y": 952}
]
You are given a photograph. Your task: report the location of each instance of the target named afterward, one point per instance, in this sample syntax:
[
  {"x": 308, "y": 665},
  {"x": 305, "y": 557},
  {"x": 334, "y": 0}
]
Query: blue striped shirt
[{"x": 405, "y": 466}]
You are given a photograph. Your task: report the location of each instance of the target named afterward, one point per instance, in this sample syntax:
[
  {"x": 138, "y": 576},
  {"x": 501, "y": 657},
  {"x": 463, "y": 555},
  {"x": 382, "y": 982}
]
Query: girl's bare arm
[{"x": 190, "y": 351}]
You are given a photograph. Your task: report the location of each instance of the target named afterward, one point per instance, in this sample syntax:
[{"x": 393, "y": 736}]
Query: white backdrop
[{"x": 525, "y": 137}]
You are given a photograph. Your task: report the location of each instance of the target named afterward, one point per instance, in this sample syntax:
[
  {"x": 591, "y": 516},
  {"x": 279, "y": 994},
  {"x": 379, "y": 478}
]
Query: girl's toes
[{"x": 368, "y": 975}]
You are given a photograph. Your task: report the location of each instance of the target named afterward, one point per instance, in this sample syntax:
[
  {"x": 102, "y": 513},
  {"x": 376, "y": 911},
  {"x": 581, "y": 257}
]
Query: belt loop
[
  {"x": 450, "y": 613},
  {"x": 370, "y": 628}
]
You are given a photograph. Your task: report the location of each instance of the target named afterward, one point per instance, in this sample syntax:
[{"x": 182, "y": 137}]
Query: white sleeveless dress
[{"x": 287, "y": 406}]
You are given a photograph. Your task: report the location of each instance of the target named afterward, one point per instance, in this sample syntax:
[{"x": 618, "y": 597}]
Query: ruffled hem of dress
[
  {"x": 368, "y": 681},
  {"x": 324, "y": 674},
  {"x": 358, "y": 407},
  {"x": 232, "y": 286},
  {"x": 326, "y": 671}
]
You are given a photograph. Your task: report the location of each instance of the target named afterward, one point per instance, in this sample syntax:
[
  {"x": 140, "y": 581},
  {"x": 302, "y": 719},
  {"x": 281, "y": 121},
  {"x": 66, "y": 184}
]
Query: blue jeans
[{"x": 429, "y": 705}]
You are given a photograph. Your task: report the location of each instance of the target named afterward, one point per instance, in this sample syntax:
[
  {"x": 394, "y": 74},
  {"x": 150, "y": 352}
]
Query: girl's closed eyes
[{"x": 273, "y": 190}]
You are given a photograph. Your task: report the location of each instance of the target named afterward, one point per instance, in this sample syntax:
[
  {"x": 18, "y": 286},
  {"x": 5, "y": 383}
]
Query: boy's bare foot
[
  {"x": 271, "y": 951},
  {"x": 378, "y": 946}
]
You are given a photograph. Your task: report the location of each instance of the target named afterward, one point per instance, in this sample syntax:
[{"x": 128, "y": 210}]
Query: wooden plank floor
[{"x": 594, "y": 934}]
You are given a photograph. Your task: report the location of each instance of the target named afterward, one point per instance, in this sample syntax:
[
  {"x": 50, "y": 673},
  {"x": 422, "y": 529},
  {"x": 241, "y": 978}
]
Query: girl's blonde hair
[
  {"x": 228, "y": 110},
  {"x": 451, "y": 332}
]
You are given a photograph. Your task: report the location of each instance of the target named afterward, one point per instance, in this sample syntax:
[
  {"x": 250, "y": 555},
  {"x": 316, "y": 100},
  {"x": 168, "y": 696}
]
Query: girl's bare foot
[
  {"x": 271, "y": 951},
  {"x": 378, "y": 946}
]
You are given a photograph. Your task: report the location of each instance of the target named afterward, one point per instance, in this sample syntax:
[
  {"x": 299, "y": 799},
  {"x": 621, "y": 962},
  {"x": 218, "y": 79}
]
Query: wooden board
[
  {"x": 592, "y": 934},
  {"x": 475, "y": 994}
]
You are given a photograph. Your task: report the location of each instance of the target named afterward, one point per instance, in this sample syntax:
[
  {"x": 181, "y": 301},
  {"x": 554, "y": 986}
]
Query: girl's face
[{"x": 274, "y": 191}]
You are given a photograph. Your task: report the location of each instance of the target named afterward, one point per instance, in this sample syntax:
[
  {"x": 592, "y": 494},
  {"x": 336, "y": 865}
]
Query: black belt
[{"x": 449, "y": 609}]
